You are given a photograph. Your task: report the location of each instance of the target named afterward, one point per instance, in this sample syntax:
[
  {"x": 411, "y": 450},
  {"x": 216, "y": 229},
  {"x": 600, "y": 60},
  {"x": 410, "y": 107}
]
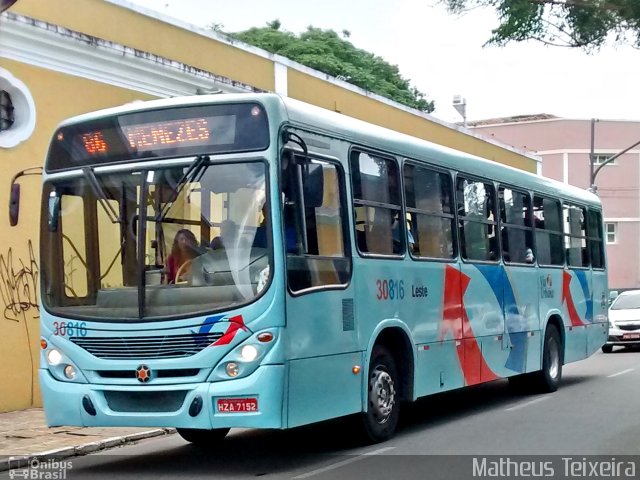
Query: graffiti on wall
[{"x": 19, "y": 286}]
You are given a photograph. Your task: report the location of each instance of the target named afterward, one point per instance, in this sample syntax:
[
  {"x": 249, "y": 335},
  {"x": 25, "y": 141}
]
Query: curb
[{"x": 20, "y": 461}]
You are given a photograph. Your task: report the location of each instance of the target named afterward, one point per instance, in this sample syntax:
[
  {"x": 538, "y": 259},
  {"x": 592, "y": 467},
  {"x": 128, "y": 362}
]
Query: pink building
[{"x": 564, "y": 145}]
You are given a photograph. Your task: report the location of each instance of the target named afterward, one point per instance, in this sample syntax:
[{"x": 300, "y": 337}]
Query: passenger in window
[
  {"x": 528, "y": 256},
  {"x": 395, "y": 231},
  {"x": 184, "y": 249},
  {"x": 260, "y": 240}
]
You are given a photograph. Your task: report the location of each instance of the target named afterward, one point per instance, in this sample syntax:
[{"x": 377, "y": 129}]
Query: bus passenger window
[
  {"x": 575, "y": 239},
  {"x": 596, "y": 247},
  {"x": 548, "y": 231},
  {"x": 429, "y": 200},
  {"x": 477, "y": 217},
  {"x": 515, "y": 227},
  {"x": 314, "y": 239},
  {"x": 376, "y": 200}
]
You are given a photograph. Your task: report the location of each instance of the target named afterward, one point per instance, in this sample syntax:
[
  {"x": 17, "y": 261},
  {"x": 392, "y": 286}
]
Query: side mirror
[
  {"x": 53, "y": 212},
  {"x": 14, "y": 196},
  {"x": 14, "y": 204}
]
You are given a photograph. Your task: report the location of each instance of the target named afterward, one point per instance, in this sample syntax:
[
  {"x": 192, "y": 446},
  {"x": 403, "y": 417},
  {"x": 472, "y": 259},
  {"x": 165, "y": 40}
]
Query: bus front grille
[
  {"x": 122, "y": 401},
  {"x": 164, "y": 346}
]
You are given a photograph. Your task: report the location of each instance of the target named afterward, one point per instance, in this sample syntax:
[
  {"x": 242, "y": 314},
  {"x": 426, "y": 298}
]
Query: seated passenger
[{"x": 184, "y": 249}]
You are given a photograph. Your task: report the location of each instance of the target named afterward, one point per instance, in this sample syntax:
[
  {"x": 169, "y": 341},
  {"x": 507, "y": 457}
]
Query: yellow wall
[{"x": 56, "y": 97}]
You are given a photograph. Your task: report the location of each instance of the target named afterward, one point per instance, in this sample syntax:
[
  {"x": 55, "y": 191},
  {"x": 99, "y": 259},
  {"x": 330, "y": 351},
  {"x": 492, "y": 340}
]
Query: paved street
[{"x": 594, "y": 412}]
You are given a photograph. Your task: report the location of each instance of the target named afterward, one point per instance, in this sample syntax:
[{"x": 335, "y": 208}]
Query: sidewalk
[{"x": 25, "y": 434}]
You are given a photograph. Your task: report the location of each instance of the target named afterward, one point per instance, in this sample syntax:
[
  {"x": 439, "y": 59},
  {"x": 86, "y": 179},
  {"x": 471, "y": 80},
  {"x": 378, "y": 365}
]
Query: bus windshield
[{"x": 155, "y": 242}]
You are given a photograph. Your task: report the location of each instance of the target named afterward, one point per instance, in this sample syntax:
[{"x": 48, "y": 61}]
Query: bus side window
[
  {"x": 429, "y": 199},
  {"x": 575, "y": 239},
  {"x": 516, "y": 230},
  {"x": 317, "y": 252},
  {"x": 594, "y": 231},
  {"x": 376, "y": 200},
  {"x": 548, "y": 231},
  {"x": 477, "y": 217}
]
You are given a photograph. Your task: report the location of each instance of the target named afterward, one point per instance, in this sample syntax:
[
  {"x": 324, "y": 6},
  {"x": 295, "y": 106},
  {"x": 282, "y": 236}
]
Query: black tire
[
  {"x": 548, "y": 379},
  {"x": 380, "y": 420},
  {"x": 203, "y": 438},
  {"x": 607, "y": 348}
]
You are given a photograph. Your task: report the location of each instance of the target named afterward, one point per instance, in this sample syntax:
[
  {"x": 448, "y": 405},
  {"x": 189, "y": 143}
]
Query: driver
[{"x": 184, "y": 249}]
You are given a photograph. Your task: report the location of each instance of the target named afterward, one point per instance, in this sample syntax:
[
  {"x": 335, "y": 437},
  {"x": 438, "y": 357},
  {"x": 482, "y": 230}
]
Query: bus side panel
[
  {"x": 438, "y": 367},
  {"x": 578, "y": 308},
  {"x": 522, "y": 323},
  {"x": 598, "y": 332},
  {"x": 323, "y": 387},
  {"x": 550, "y": 288},
  {"x": 483, "y": 322},
  {"x": 320, "y": 329},
  {"x": 432, "y": 300}
]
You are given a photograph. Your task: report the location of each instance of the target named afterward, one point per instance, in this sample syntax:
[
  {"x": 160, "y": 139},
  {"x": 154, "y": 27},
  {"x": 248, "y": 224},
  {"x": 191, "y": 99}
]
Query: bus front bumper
[{"x": 91, "y": 405}]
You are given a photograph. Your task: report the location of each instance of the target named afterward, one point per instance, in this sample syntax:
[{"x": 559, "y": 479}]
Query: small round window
[{"x": 17, "y": 111}]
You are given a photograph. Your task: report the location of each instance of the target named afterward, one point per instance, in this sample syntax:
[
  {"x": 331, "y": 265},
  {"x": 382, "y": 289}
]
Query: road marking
[
  {"x": 525, "y": 404},
  {"x": 333, "y": 466},
  {"x": 621, "y": 373}
]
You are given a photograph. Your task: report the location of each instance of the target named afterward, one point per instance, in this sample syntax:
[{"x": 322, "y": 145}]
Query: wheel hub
[{"x": 382, "y": 394}]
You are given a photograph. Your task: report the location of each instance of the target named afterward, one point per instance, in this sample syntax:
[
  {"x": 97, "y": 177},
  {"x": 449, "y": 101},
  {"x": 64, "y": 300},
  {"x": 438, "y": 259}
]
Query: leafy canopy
[
  {"x": 325, "y": 51},
  {"x": 586, "y": 24}
]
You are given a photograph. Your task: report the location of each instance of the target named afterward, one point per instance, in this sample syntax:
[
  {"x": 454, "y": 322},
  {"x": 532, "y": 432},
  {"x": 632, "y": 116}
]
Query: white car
[{"x": 624, "y": 321}]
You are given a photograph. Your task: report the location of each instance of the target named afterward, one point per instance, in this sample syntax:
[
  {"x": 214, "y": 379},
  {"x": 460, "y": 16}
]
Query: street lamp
[
  {"x": 594, "y": 173},
  {"x": 460, "y": 104}
]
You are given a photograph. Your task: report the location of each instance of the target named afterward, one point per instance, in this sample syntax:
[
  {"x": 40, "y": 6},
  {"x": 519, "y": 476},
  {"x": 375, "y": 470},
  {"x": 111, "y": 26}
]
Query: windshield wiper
[
  {"x": 194, "y": 172},
  {"x": 100, "y": 195}
]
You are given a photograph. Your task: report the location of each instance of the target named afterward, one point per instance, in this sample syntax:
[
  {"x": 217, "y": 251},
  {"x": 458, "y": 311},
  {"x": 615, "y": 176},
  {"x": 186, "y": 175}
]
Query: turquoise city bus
[{"x": 251, "y": 261}]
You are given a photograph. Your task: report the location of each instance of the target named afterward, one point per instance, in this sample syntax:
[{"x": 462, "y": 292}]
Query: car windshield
[
  {"x": 155, "y": 243},
  {"x": 627, "y": 301}
]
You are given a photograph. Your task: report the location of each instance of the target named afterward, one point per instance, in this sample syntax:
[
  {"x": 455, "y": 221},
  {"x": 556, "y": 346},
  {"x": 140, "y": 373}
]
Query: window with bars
[
  {"x": 7, "y": 117},
  {"x": 600, "y": 158},
  {"x": 612, "y": 232}
]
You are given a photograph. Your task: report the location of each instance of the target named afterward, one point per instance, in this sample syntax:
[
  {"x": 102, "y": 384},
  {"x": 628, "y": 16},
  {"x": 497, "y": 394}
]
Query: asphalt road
[{"x": 595, "y": 412}]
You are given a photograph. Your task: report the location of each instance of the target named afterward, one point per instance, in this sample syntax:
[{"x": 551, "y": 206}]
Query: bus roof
[{"x": 366, "y": 134}]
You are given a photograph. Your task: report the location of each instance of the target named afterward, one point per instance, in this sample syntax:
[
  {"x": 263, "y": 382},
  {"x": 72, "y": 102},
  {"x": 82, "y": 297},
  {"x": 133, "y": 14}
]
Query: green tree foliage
[
  {"x": 325, "y": 51},
  {"x": 586, "y": 24}
]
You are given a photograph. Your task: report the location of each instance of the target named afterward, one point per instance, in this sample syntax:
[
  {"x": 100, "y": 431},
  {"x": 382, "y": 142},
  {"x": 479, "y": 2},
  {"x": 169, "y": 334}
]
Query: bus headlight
[
  {"x": 245, "y": 358},
  {"x": 249, "y": 353},
  {"x": 60, "y": 366},
  {"x": 70, "y": 372},
  {"x": 54, "y": 357},
  {"x": 232, "y": 369}
]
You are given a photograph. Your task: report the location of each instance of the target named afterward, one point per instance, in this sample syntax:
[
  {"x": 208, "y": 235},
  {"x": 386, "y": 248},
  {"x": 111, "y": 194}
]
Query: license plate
[
  {"x": 235, "y": 405},
  {"x": 631, "y": 336}
]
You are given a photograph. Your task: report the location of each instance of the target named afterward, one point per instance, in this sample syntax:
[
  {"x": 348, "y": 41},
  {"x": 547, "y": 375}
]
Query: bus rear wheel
[
  {"x": 548, "y": 379},
  {"x": 383, "y": 401},
  {"x": 203, "y": 438}
]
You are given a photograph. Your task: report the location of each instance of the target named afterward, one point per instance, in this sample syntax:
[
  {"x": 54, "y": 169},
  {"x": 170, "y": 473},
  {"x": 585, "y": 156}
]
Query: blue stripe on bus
[
  {"x": 582, "y": 278},
  {"x": 503, "y": 291}
]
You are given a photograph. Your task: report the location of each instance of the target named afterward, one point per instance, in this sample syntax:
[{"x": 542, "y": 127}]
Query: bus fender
[{"x": 375, "y": 335}]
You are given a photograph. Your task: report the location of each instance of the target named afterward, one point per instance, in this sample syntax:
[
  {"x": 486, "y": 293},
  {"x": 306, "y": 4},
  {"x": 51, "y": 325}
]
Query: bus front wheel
[
  {"x": 383, "y": 402},
  {"x": 203, "y": 438}
]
